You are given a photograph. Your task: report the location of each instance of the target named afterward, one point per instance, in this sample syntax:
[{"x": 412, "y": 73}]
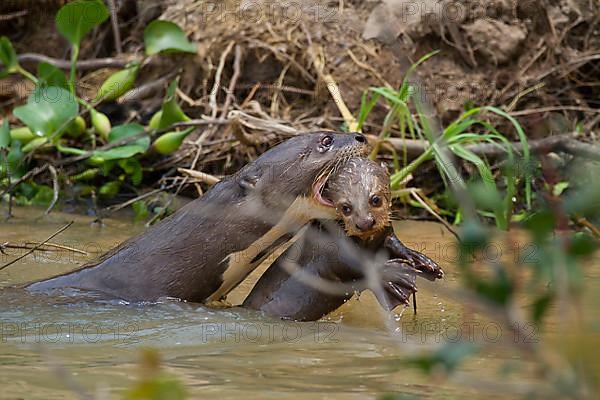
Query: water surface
[{"x": 47, "y": 342}]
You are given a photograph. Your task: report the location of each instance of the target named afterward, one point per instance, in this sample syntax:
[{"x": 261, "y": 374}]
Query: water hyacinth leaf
[
  {"x": 15, "y": 156},
  {"x": 118, "y": 83},
  {"x": 109, "y": 189},
  {"x": 165, "y": 36},
  {"x": 121, "y": 133},
  {"x": 34, "y": 144},
  {"x": 171, "y": 141},
  {"x": 4, "y": 135},
  {"x": 85, "y": 175},
  {"x": 76, "y": 127},
  {"x": 155, "y": 120},
  {"x": 170, "y": 112},
  {"x": 101, "y": 124},
  {"x": 140, "y": 210},
  {"x": 43, "y": 196},
  {"x": 8, "y": 56},
  {"x": 22, "y": 134},
  {"x": 133, "y": 168},
  {"x": 49, "y": 75},
  {"x": 48, "y": 110},
  {"x": 76, "y": 19},
  {"x": 126, "y": 151}
]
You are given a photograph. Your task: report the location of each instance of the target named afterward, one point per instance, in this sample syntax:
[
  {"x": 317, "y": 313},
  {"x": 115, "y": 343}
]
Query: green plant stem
[
  {"x": 27, "y": 74},
  {"x": 74, "y": 57},
  {"x": 410, "y": 168}
]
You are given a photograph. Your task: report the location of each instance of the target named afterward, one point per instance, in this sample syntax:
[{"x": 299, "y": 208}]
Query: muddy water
[{"x": 49, "y": 344}]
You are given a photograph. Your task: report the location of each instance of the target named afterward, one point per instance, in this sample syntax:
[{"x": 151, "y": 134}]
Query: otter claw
[
  {"x": 398, "y": 282},
  {"x": 429, "y": 269}
]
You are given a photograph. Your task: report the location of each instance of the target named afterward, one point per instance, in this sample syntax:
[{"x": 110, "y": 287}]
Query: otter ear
[{"x": 248, "y": 182}]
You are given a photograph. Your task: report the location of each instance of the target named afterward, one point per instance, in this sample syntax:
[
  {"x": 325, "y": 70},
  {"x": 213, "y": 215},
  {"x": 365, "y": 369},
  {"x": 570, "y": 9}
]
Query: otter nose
[
  {"x": 360, "y": 138},
  {"x": 365, "y": 224}
]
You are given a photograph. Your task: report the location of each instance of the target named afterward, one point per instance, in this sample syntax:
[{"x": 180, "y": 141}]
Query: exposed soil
[{"x": 538, "y": 60}]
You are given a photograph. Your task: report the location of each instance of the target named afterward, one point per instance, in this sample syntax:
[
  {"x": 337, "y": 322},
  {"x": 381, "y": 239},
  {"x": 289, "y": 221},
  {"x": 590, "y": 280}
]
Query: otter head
[
  {"x": 302, "y": 165},
  {"x": 360, "y": 192}
]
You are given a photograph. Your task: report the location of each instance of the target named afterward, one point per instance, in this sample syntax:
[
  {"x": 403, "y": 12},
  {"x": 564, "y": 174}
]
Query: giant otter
[
  {"x": 323, "y": 269},
  {"x": 205, "y": 249}
]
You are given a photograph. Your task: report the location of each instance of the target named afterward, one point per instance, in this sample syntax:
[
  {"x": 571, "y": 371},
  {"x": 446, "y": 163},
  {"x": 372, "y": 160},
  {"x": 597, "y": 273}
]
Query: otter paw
[
  {"x": 428, "y": 268},
  {"x": 397, "y": 283}
]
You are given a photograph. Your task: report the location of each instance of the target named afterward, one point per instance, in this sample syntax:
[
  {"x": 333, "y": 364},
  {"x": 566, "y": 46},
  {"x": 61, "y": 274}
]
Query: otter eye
[
  {"x": 375, "y": 201},
  {"x": 346, "y": 210},
  {"x": 327, "y": 141}
]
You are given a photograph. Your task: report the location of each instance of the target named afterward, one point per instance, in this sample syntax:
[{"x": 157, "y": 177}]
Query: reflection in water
[{"x": 232, "y": 352}]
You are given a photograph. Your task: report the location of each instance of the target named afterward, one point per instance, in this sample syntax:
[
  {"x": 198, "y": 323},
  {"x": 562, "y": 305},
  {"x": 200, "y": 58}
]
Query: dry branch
[{"x": 562, "y": 143}]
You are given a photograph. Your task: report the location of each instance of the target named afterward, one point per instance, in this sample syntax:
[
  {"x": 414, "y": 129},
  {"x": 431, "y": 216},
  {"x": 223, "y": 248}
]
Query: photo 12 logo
[{"x": 266, "y": 332}]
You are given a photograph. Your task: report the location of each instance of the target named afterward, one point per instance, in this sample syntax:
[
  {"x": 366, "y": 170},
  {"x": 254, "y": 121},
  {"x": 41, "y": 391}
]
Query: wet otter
[
  {"x": 321, "y": 270},
  {"x": 206, "y": 248}
]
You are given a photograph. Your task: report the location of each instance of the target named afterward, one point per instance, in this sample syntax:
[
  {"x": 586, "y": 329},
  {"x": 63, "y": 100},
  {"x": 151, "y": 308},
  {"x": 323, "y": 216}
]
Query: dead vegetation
[{"x": 266, "y": 70}]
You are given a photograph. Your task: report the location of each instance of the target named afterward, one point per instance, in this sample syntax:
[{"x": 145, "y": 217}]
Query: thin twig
[
  {"x": 83, "y": 65},
  {"x": 30, "y": 174},
  {"x": 60, "y": 247},
  {"x": 138, "y": 198},
  {"x": 202, "y": 176},
  {"x": 212, "y": 99},
  {"x": 115, "y": 26},
  {"x": 554, "y": 108},
  {"x": 417, "y": 197},
  {"x": 233, "y": 82},
  {"x": 29, "y": 245},
  {"x": 55, "y": 189},
  {"x": 58, "y": 232},
  {"x": 147, "y": 89},
  {"x": 13, "y": 15},
  {"x": 560, "y": 143}
]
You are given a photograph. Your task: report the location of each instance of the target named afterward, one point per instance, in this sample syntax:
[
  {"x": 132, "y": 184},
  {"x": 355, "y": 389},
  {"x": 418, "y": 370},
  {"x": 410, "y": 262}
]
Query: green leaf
[
  {"x": 171, "y": 112},
  {"x": 109, "y": 189},
  {"x": 43, "y": 196},
  {"x": 85, "y": 175},
  {"x": 49, "y": 75},
  {"x": 165, "y": 36},
  {"x": 582, "y": 245},
  {"x": 118, "y": 83},
  {"x": 541, "y": 224},
  {"x": 4, "y": 135},
  {"x": 133, "y": 168},
  {"x": 8, "y": 57},
  {"x": 130, "y": 149},
  {"x": 48, "y": 110},
  {"x": 126, "y": 151},
  {"x": 122, "y": 132},
  {"x": 171, "y": 141},
  {"x": 76, "y": 19},
  {"x": 15, "y": 156},
  {"x": 140, "y": 209}
]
